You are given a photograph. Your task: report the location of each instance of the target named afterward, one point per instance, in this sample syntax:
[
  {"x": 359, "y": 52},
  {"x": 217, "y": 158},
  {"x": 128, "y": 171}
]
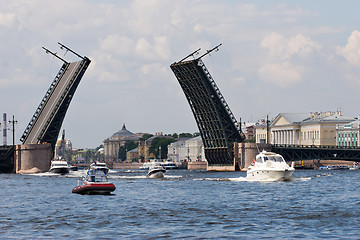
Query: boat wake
[{"x": 244, "y": 179}]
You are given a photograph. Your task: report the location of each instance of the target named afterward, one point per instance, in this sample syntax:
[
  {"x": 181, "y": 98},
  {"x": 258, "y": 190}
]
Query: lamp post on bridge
[{"x": 13, "y": 122}]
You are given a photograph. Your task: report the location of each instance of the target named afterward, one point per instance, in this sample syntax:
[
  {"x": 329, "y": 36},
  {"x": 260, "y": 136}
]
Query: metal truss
[
  {"x": 7, "y": 159},
  {"x": 46, "y": 122},
  {"x": 217, "y": 125},
  {"x": 295, "y": 153}
]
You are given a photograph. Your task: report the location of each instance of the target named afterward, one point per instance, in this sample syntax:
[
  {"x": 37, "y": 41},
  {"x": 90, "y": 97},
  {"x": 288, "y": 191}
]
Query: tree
[
  {"x": 160, "y": 143},
  {"x": 175, "y": 135},
  {"x": 185, "y": 135},
  {"x": 146, "y": 136},
  {"x": 129, "y": 145}
]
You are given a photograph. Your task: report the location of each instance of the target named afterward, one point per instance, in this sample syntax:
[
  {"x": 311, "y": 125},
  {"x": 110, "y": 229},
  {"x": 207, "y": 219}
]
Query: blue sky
[{"x": 277, "y": 56}]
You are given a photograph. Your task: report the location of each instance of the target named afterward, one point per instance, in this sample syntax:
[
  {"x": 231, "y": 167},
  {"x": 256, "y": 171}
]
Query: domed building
[{"x": 112, "y": 144}]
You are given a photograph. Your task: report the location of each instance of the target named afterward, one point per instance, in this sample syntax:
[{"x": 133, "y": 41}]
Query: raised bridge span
[
  {"x": 217, "y": 125},
  {"x": 45, "y": 124}
]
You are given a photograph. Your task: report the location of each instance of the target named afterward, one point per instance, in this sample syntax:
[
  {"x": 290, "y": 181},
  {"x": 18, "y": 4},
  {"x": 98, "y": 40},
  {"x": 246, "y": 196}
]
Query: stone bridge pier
[{"x": 245, "y": 153}]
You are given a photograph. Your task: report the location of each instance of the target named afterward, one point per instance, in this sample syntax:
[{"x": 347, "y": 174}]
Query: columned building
[
  {"x": 301, "y": 129},
  {"x": 112, "y": 144},
  {"x": 190, "y": 150}
]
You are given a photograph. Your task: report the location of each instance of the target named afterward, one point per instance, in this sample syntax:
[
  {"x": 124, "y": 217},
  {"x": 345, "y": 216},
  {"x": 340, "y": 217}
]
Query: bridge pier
[
  {"x": 33, "y": 158},
  {"x": 245, "y": 153}
]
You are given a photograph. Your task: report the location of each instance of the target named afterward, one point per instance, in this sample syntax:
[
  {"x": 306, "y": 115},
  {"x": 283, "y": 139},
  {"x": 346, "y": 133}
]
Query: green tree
[
  {"x": 146, "y": 136},
  {"x": 185, "y": 135},
  {"x": 129, "y": 145},
  {"x": 160, "y": 143}
]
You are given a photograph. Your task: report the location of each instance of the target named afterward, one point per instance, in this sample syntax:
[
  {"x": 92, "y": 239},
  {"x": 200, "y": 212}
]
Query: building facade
[
  {"x": 112, "y": 144},
  {"x": 301, "y": 129},
  {"x": 347, "y": 135},
  {"x": 187, "y": 150}
]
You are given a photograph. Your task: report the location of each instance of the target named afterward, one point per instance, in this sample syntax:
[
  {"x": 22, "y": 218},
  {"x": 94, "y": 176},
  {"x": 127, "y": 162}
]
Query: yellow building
[{"x": 302, "y": 129}]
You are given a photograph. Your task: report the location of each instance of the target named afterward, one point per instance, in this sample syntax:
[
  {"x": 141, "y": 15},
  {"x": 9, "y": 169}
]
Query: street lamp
[{"x": 13, "y": 122}]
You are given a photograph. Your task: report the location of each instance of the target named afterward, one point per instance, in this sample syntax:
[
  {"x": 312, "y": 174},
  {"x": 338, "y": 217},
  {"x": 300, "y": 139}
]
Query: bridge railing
[
  {"x": 314, "y": 146},
  {"x": 44, "y": 101},
  {"x": 60, "y": 101}
]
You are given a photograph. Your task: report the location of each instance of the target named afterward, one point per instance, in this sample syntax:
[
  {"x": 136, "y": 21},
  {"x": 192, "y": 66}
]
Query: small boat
[
  {"x": 156, "y": 171},
  {"x": 59, "y": 166},
  {"x": 168, "y": 164},
  {"x": 95, "y": 182},
  {"x": 355, "y": 166},
  {"x": 334, "y": 167},
  {"x": 269, "y": 166},
  {"x": 73, "y": 168},
  {"x": 99, "y": 166},
  {"x": 149, "y": 164}
]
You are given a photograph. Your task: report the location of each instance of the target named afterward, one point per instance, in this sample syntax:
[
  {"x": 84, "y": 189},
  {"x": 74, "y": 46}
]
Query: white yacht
[
  {"x": 168, "y": 164},
  {"x": 355, "y": 166},
  {"x": 156, "y": 171},
  {"x": 99, "y": 166},
  {"x": 149, "y": 164},
  {"x": 59, "y": 166},
  {"x": 269, "y": 166}
]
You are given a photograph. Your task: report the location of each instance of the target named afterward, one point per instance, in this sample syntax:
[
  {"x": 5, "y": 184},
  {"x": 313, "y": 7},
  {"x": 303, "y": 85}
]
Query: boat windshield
[
  {"x": 60, "y": 164},
  {"x": 96, "y": 178},
  {"x": 274, "y": 158}
]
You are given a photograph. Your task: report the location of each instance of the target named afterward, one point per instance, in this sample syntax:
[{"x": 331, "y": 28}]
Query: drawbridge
[
  {"x": 46, "y": 122},
  {"x": 217, "y": 125}
]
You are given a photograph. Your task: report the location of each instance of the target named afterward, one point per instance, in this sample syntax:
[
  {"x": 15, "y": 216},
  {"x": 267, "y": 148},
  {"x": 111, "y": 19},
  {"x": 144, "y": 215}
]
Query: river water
[{"x": 184, "y": 205}]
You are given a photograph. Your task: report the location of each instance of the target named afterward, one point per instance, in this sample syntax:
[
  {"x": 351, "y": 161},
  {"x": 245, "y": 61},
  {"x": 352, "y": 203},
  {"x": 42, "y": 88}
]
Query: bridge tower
[
  {"x": 46, "y": 122},
  {"x": 217, "y": 125}
]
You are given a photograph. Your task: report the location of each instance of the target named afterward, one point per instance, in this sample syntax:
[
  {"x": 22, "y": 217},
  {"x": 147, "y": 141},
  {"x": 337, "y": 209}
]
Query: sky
[{"x": 276, "y": 57}]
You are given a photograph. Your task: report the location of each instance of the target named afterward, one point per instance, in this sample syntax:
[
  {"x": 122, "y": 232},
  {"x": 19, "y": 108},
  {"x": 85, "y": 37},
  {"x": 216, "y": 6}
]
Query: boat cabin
[{"x": 262, "y": 158}]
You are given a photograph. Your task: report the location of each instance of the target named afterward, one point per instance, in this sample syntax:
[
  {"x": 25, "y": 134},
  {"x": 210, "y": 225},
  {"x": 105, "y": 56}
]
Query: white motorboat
[
  {"x": 156, "y": 171},
  {"x": 59, "y": 166},
  {"x": 168, "y": 164},
  {"x": 99, "y": 166},
  {"x": 355, "y": 166},
  {"x": 269, "y": 166},
  {"x": 149, "y": 164}
]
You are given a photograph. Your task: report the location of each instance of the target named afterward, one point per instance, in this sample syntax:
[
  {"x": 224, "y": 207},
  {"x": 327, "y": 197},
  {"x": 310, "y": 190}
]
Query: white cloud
[
  {"x": 117, "y": 44},
  {"x": 157, "y": 50},
  {"x": 282, "y": 74},
  {"x": 351, "y": 52},
  {"x": 284, "y": 48},
  {"x": 7, "y": 19},
  {"x": 278, "y": 66}
]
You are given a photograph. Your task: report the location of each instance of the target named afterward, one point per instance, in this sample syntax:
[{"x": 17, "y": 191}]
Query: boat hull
[
  {"x": 269, "y": 175},
  {"x": 59, "y": 170},
  {"x": 156, "y": 174},
  {"x": 95, "y": 189}
]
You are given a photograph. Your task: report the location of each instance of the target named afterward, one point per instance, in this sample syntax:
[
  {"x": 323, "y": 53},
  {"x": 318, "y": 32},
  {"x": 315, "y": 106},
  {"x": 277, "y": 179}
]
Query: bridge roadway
[
  {"x": 296, "y": 152},
  {"x": 53, "y": 104}
]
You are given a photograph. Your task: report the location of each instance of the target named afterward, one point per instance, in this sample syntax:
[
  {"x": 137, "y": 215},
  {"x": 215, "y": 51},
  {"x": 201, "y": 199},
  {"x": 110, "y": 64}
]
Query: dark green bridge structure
[
  {"x": 45, "y": 124},
  {"x": 217, "y": 125},
  {"x": 297, "y": 153}
]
